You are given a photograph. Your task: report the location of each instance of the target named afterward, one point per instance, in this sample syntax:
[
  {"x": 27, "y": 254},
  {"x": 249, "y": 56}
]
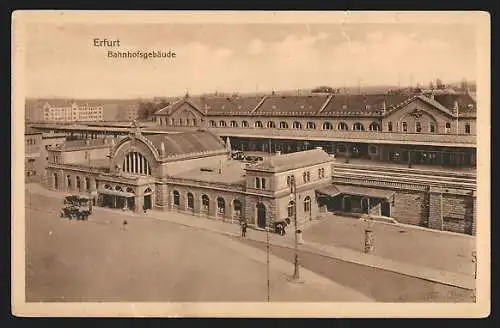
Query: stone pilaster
[
  {"x": 436, "y": 209},
  {"x": 162, "y": 197},
  {"x": 474, "y": 213}
]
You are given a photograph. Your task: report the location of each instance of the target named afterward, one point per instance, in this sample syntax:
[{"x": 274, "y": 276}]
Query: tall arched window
[
  {"x": 234, "y": 124},
  {"x": 432, "y": 127},
  {"x": 221, "y": 206},
  {"x": 136, "y": 163},
  {"x": 78, "y": 183},
  {"x": 283, "y": 125},
  {"x": 258, "y": 124},
  {"x": 307, "y": 204},
  {"x": 358, "y": 127},
  {"x": 343, "y": 126},
  {"x": 327, "y": 126},
  {"x": 213, "y": 124},
  {"x": 205, "y": 203},
  {"x": 244, "y": 124},
  {"x": 389, "y": 126},
  {"x": 190, "y": 201},
  {"x": 271, "y": 125},
  {"x": 291, "y": 209},
  {"x": 222, "y": 124},
  {"x": 374, "y": 126},
  {"x": 297, "y": 125},
  {"x": 177, "y": 198},
  {"x": 68, "y": 181}
]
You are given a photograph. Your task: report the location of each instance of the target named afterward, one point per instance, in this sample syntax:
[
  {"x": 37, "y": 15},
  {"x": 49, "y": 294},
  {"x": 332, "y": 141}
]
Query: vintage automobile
[{"x": 76, "y": 207}]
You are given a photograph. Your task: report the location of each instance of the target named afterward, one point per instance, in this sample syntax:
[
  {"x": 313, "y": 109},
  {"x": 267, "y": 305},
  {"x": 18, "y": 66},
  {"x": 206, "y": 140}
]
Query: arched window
[
  {"x": 307, "y": 204},
  {"x": 257, "y": 183},
  {"x": 177, "y": 198},
  {"x": 190, "y": 201},
  {"x": 283, "y": 125},
  {"x": 78, "y": 184},
  {"x": 136, "y": 163},
  {"x": 358, "y": 127},
  {"x": 107, "y": 187},
  {"x": 327, "y": 126},
  {"x": 291, "y": 209},
  {"x": 263, "y": 183},
  {"x": 447, "y": 127},
  {"x": 288, "y": 181},
  {"x": 244, "y": 124},
  {"x": 130, "y": 190},
  {"x": 467, "y": 128},
  {"x": 68, "y": 181},
  {"x": 87, "y": 183},
  {"x": 222, "y": 124},
  {"x": 56, "y": 182},
  {"x": 389, "y": 126},
  {"x": 213, "y": 124},
  {"x": 118, "y": 188},
  {"x": 271, "y": 125},
  {"x": 304, "y": 177},
  {"x": 194, "y": 121},
  {"x": 311, "y": 125},
  {"x": 221, "y": 206},
  {"x": 404, "y": 126},
  {"x": 258, "y": 124},
  {"x": 297, "y": 125},
  {"x": 234, "y": 124},
  {"x": 342, "y": 126},
  {"x": 374, "y": 126},
  {"x": 148, "y": 191},
  {"x": 237, "y": 207},
  {"x": 205, "y": 203}
]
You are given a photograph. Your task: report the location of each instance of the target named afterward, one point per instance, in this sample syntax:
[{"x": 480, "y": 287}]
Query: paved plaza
[
  {"x": 152, "y": 260},
  {"x": 367, "y": 280}
]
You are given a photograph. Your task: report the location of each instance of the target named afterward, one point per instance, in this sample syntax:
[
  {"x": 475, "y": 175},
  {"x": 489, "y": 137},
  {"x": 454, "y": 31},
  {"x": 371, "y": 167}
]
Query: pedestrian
[
  {"x": 283, "y": 231},
  {"x": 244, "y": 229}
]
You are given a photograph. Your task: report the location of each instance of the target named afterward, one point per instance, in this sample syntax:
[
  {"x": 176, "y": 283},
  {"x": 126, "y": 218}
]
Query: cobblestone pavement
[
  {"x": 430, "y": 255},
  {"x": 152, "y": 260}
]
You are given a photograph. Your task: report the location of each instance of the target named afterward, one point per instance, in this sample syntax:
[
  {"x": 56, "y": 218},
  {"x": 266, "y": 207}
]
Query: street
[
  {"x": 154, "y": 260},
  {"x": 149, "y": 260}
]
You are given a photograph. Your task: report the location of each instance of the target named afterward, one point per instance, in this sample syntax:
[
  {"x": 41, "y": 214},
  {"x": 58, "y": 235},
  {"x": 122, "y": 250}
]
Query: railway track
[{"x": 438, "y": 178}]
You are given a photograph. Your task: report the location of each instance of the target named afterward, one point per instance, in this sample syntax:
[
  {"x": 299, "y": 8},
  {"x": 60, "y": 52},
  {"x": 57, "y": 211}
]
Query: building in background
[
  {"x": 33, "y": 164},
  {"x": 70, "y": 111}
]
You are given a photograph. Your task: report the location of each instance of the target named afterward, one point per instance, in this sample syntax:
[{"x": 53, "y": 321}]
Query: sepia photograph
[{"x": 251, "y": 164}]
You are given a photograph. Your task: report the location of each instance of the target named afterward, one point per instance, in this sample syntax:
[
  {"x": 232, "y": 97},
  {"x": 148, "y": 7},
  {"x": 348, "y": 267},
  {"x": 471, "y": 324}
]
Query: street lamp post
[{"x": 293, "y": 193}]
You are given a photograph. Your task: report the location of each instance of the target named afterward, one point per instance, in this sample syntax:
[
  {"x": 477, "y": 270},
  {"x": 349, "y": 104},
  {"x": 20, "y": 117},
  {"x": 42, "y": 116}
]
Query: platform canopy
[
  {"x": 336, "y": 190},
  {"x": 116, "y": 193}
]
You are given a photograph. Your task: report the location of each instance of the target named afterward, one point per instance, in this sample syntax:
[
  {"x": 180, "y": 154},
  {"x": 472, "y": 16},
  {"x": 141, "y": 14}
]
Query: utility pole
[{"x": 293, "y": 193}]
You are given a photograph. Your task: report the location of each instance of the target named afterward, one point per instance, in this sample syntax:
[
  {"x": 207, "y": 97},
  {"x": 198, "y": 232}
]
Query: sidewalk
[{"x": 342, "y": 253}]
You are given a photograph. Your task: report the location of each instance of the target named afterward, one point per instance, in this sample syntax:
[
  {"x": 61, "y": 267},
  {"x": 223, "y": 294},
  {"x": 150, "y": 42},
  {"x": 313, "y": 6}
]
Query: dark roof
[
  {"x": 364, "y": 103},
  {"x": 292, "y": 161},
  {"x": 310, "y": 104},
  {"x": 464, "y": 101},
  {"x": 228, "y": 105},
  {"x": 187, "y": 143},
  {"x": 29, "y": 130},
  {"x": 83, "y": 144}
]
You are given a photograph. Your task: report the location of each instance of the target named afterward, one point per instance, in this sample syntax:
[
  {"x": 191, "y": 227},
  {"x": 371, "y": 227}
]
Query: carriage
[{"x": 76, "y": 207}]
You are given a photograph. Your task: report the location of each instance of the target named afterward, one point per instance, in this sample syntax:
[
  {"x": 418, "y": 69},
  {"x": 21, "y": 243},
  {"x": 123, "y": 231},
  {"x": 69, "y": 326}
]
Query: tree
[
  {"x": 323, "y": 89},
  {"x": 439, "y": 84}
]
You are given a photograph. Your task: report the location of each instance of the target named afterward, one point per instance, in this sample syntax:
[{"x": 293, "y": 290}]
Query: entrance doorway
[
  {"x": 261, "y": 215},
  {"x": 347, "y": 204},
  {"x": 147, "y": 202},
  {"x": 385, "y": 208}
]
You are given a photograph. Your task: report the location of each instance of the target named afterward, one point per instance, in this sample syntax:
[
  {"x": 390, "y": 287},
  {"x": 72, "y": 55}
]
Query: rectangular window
[
  {"x": 467, "y": 128},
  {"x": 432, "y": 128},
  {"x": 389, "y": 126},
  {"x": 405, "y": 127},
  {"x": 448, "y": 127},
  {"x": 263, "y": 183},
  {"x": 418, "y": 127},
  {"x": 257, "y": 183}
]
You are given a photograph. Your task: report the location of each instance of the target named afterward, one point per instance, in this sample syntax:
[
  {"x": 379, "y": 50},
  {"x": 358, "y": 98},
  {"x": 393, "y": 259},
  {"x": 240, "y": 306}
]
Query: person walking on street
[{"x": 244, "y": 229}]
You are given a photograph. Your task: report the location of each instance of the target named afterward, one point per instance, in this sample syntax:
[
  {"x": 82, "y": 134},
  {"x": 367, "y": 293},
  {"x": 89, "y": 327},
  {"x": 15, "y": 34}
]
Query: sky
[{"x": 61, "y": 60}]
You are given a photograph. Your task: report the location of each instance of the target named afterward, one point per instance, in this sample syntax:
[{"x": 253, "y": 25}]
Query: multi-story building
[
  {"x": 192, "y": 173},
  {"x": 58, "y": 111},
  {"x": 435, "y": 128},
  {"x": 36, "y": 156}
]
